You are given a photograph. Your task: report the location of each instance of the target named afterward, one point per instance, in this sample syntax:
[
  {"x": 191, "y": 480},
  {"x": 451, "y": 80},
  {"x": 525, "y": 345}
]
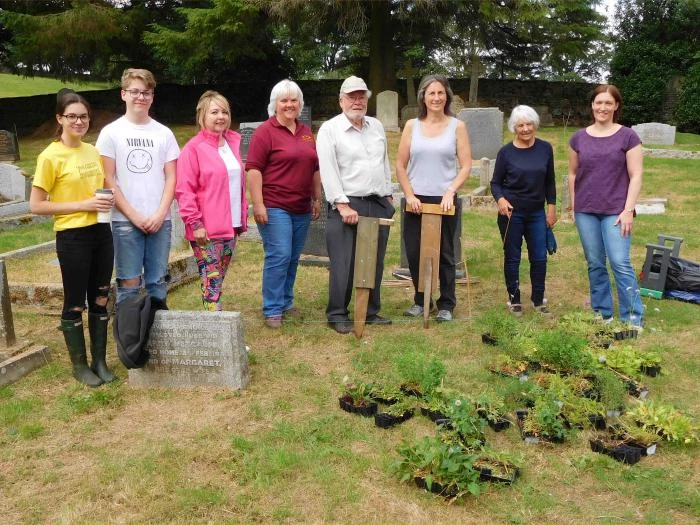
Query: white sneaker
[
  {"x": 443, "y": 316},
  {"x": 414, "y": 311}
]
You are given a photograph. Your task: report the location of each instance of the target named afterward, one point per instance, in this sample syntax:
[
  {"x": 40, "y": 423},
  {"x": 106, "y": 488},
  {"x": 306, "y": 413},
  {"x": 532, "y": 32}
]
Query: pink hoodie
[{"x": 202, "y": 186}]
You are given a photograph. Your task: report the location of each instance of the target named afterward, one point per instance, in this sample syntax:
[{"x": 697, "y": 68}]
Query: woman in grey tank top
[{"x": 433, "y": 161}]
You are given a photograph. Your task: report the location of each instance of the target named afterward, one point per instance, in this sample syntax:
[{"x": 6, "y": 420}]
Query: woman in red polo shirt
[{"x": 285, "y": 187}]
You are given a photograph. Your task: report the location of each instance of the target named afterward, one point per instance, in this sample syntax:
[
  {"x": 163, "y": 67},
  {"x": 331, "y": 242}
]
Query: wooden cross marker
[
  {"x": 365, "y": 266},
  {"x": 429, "y": 269}
]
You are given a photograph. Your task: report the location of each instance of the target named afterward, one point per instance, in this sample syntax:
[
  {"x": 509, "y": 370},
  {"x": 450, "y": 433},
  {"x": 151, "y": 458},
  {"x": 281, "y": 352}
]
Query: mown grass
[
  {"x": 281, "y": 451},
  {"x": 19, "y": 86}
]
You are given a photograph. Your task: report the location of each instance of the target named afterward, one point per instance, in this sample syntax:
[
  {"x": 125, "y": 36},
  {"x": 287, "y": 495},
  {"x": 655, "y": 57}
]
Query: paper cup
[{"x": 104, "y": 216}]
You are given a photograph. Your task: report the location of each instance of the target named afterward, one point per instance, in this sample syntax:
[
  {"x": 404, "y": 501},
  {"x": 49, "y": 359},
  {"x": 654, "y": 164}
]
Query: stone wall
[{"x": 176, "y": 104}]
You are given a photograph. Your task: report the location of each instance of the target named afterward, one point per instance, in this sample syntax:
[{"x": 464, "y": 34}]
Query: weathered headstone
[
  {"x": 407, "y": 113},
  {"x": 9, "y": 146},
  {"x": 316, "y": 237},
  {"x": 177, "y": 233},
  {"x": 656, "y": 133},
  {"x": 246, "y": 130},
  {"x": 190, "y": 349},
  {"x": 13, "y": 184},
  {"x": 305, "y": 116},
  {"x": 457, "y": 105},
  {"x": 388, "y": 110},
  {"x": 7, "y": 326},
  {"x": 485, "y": 127}
]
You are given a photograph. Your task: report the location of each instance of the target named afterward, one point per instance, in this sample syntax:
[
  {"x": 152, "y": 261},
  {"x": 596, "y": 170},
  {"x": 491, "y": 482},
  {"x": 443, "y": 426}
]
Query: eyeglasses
[
  {"x": 72, "y": 117},
  {"x": 356, "y": 98},
  {"x": 135, "y": 93}
]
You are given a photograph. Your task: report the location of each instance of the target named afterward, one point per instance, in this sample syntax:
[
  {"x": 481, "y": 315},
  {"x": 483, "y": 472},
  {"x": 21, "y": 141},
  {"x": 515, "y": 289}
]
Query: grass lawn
[
  {"x": 282, "y": 451},
  {"x": 19, "y": 86}
]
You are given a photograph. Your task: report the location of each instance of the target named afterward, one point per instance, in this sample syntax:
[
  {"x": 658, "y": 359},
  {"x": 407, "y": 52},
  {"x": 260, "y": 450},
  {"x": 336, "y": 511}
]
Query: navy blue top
[{"x": 525, "y": 176}]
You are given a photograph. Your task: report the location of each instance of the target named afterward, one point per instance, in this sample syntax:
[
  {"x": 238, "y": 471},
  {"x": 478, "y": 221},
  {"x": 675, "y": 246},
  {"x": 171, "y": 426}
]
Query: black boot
[
  {"x": 75, "y": 341},
  {"x": 97, "y": 325}
]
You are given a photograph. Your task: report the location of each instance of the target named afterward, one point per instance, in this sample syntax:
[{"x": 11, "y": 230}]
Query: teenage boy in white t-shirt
[{"x": 139, "y": 156}]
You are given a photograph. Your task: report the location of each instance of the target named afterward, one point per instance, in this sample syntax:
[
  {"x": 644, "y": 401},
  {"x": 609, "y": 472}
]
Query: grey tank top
[{"x": 432, "y": 165}]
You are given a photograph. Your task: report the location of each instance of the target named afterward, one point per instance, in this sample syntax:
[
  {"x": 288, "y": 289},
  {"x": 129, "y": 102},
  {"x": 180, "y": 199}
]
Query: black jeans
[
  {"x": 340, "y": 242},
  {"x": 447, "y": 274},
  {"x": 86, "y": 256}
]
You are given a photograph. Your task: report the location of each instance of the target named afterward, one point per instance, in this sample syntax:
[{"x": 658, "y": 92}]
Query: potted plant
[
  {"x": 635, "y": 436},
  {"x": 386, "y": 395},
  {"x": 615, "y": 448},
  {"x": 544, "y": 422},
  {"x": 394, "y": 414},
  {"x": 563, "y": 351},
  {"x": 666, "y": 421},
  {"x": 492, "y": 408},
  {"x": 610, "y": 391},
  {"x": 464, "y": 424},
  {"x": 497, "y": 328},
  {"x": 420, "y": 374},
  {"x": 507, "y": 366},
  {"x": 356, "y": 398},
  {"x": 438, "y": 466},
  {"x": 498, "y": 467},
  {"x": 435, "y": 406}
]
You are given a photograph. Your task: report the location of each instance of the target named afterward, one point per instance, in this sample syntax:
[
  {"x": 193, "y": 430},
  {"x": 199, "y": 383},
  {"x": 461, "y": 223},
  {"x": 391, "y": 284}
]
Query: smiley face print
[{"x": 139, "y": 161}]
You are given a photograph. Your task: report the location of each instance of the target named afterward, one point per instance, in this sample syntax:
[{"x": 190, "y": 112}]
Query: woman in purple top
[
  {"x": 605, "y": 178},
  {"x": 285, "y": 187}
]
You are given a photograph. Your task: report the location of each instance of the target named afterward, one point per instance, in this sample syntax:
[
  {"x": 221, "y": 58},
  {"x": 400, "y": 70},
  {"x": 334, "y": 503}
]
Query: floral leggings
[{"x": 212, "y": 261}]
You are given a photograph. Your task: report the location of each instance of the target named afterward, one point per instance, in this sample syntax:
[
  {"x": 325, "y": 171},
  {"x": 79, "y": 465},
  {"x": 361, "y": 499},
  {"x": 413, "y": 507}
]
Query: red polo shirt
[{"x": 287, "y": 162}]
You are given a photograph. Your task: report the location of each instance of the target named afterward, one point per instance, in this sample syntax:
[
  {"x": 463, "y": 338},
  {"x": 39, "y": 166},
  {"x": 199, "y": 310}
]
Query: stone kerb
[
  {"x": 190, "y": 349},
  {"x": 656, "y": 133},
  {"x": 388, "y": 110},
  {"x": 485, "y": 126}
]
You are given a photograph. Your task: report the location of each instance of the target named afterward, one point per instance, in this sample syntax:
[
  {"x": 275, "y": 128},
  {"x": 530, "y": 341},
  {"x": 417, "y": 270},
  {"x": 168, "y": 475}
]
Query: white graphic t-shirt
[{"x": 140, "y": 152}]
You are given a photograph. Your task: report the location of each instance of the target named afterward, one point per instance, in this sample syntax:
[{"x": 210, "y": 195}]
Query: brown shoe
[{"x": 274, "y": 321}]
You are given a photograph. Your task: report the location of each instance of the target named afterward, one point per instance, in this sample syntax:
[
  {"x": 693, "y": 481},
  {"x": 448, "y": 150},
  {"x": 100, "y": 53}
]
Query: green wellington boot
[
  {"x": 97, "y": 325},
  {"x": 75, "y": 341}
]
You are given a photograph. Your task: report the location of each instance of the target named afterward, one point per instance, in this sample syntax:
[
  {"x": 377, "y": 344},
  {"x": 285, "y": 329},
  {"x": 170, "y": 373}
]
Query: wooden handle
[{"x": 435, "y": 209}]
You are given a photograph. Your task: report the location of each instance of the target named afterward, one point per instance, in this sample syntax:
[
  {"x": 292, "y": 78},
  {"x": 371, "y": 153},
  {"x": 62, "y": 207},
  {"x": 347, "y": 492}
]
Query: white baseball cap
[{"x": 354, "y": 83}]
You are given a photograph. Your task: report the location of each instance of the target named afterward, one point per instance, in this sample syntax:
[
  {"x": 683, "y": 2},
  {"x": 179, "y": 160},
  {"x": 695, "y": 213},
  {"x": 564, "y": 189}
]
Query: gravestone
[
  {"x": 457, "y": 105},
  {"x": 546, "y": 119},
  {"x": 656, "y": 133},
  {"x": 13, "y": 184},
  {"x": 177, "y": 233},
  {"x": 485, "y": 126},
  {"x": 305, "y": 116},
  {"x": 315, "y": 243},
  {"x": 7, "y": 326},
  {"x": 190, "y": 349},
  {"x": 407, "y": 113},
  {"x": 246, "y": 130},
  {"x": 388, "y": 110},
  {"x": 9, "y": 146}
]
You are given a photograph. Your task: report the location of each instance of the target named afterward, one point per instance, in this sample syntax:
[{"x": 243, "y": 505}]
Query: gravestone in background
[
  {"x": 656, "y": 133},
  {"x": 407, "y": 113},
  {"x": 457, "y": 105},
  {"x": 9, "y": 146},
  {"x": 316, "y": 237},
  {"x": 190, "y": 349},
  {"x": 305, "y": 116},
  {"x": 246, "y": 130},
  {"x": 7, "y": 325},
  {"x": 388, "y": 110},
  {"x": 485, "y": 127},
  {"x": 13, "y": 185}
]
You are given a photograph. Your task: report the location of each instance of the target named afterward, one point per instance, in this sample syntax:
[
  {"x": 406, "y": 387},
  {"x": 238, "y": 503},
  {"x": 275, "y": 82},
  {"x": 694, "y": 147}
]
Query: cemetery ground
[{"x": 282, "y": 450}]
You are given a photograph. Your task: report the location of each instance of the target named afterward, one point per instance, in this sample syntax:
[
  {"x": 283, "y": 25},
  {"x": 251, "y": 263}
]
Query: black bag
[
  {"x": 131, "y": 328},
  {"x": 682, "y": 274}
]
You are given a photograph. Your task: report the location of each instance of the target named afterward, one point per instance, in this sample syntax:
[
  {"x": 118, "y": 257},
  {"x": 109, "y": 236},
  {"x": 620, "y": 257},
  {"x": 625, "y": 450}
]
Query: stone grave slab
[
  {"x": 246, "y": 130},
  {"x": 9, "y": 146},
  {"x": 485, "y": 127},
  {"x": 656, "y": 133},
  {"x": 192, "y": 349},
  {"x": 305, "y": 116},
  {"x": 13, "y": 184},
  {"x": 407, "y": 113},
  {"x": 388, "y": 110}
]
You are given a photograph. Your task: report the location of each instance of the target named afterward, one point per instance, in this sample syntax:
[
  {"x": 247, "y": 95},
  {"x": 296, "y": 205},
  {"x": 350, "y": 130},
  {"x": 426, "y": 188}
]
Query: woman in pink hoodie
[{"x": 211, "y": 195}]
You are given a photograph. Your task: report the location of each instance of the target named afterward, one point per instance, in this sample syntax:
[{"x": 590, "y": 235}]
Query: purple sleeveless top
[{"x": 601, "y": 179}]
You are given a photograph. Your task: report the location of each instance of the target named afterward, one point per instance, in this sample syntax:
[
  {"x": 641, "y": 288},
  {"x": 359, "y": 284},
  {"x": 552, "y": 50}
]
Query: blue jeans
[
  {"x": 601, "y": 239},
  {"x": 531, "y": 225},
  {"x": 283, "y": 239},
  {"x": 138, "y": 255}
]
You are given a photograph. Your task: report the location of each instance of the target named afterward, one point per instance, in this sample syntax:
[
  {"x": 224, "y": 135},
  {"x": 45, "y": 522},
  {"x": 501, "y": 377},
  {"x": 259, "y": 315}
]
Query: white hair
[
  {"x": 523, "y": 114},
  {"x": 284, "y": 88}
]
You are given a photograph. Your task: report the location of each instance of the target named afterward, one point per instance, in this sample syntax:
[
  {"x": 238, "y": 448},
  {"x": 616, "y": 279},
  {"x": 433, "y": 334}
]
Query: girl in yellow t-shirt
[{"x": 68, "y": 173}]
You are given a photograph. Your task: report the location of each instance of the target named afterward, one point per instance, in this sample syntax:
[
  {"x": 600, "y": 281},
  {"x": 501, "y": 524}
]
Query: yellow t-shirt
[{"x": 68, "y": 175}]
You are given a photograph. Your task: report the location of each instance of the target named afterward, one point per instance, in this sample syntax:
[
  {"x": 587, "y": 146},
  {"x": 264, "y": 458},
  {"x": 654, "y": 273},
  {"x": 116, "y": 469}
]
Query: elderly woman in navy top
[
  {"x": 433, "y": 161},
  {"x": 605, "y": 178},
  {"x": 285, "y": 187},
  {"x": 523, "y": 179}
]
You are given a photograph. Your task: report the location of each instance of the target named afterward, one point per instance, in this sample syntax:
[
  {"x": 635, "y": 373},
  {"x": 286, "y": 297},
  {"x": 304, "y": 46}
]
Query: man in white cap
[{"x": 356, "y": 178}]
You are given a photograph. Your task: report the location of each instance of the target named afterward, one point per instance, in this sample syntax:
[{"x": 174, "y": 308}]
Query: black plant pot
[
  {"x": 433, "y": 415},
  {"x": 626, "y": 334},
  {"x": 499, "y": 424},
  {"x": 488, "y": 339},
  {"x": 622, "y": 453},
  {"x": 436, "y": 488},
  {"x": 366, "y": 410},
  {"x": 651, "y": 371},
  {"x": 486, "y": 474},
  {"x": 410, "y": 391},
  {"x": 637, "y": 390},
  {"x": 384, "y": 420},
  {"x": 597, "y": 421}
]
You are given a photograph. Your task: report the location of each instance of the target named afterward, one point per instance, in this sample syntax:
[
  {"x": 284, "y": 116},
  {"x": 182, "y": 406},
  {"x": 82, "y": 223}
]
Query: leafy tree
[
  {"x": 225, "y": 41},
  {"x": 687, "y": 111},
  {"x": 656, "y": 40}
]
